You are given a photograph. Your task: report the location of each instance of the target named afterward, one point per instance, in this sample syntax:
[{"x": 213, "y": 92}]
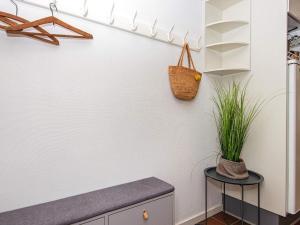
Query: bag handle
[
  {"x": 186, "y": 48},
  {"x": 190, "y": 56}
]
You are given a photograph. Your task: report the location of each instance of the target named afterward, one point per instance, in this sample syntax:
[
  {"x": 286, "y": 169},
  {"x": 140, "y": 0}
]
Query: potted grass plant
[{"x": 234, "y": 115}]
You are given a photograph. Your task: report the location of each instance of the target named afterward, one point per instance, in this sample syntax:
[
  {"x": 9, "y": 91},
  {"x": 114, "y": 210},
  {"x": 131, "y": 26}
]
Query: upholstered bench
[{"x": 149, "y": 201}]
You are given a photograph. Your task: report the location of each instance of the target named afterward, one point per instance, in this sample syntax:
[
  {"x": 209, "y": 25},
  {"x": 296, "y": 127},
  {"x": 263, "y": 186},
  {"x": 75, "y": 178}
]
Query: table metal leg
[
  {"x": 224, "y": 199},
  {"x": 258, "y": 204},
  {"x": 242, "y": 205},
  {"x": 206, "y": 200}
]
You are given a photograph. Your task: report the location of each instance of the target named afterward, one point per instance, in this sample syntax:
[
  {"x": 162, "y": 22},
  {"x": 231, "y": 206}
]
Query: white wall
[
  {"x": 265, "y": 150},
  {"x": 91, "y": 114}
]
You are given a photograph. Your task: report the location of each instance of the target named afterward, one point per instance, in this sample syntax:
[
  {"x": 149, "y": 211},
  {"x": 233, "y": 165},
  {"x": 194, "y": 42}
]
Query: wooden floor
[
  {"x": 225, "y": 219},
  {"x": 222, "y": 219}
]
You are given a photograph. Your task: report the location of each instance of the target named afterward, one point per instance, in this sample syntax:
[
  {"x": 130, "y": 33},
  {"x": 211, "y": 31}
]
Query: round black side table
[{"x": 253, "y": 179}]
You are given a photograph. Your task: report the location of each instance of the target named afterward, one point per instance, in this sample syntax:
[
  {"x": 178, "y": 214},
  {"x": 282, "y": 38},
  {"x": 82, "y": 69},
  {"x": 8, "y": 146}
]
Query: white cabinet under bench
[{"x": 145, "y": 202}]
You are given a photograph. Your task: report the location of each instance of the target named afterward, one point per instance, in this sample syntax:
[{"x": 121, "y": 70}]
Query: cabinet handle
[{"x": 145, "y": 215}]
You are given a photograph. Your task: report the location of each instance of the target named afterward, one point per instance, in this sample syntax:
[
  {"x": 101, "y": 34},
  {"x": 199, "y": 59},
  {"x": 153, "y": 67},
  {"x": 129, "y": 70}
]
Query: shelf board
[
  {"x": 226, "y": 46},
  {"x": 222, "y": 4},
  {"x": 227, "y": 71},
  {"x": 223, "y": 26}
]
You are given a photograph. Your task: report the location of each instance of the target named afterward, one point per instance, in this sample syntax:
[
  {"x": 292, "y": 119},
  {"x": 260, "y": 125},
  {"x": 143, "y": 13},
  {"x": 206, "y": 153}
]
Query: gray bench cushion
[{"x": 81, "y": 207}]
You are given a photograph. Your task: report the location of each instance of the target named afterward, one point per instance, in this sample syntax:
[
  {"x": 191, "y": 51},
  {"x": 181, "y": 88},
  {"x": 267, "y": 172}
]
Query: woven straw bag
[{"x": 184, "y": 80}]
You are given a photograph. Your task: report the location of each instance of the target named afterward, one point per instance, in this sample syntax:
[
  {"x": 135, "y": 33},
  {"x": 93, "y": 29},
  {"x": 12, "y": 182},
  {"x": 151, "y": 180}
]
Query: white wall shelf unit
[
  {"x": 223, "y": 26},
  {"x": 226, "y": 46},
  {"x": 227, "y": 71},
  {"x": 227, "y": 36},
  {"x": 222, "y": 4}
]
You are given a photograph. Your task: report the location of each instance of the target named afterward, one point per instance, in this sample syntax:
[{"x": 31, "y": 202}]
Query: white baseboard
[{"x": 201, "y": 216}]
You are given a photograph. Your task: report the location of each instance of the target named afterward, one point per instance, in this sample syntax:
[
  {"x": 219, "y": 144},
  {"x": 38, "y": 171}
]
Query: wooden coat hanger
[
  {"x": 53, "y": 20},
  {"x": 10, "y": 20}
]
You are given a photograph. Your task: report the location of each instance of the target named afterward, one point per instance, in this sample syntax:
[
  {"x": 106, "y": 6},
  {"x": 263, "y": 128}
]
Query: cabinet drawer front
[
  {"x": 95, "y": 222},
  {"x": 157, "y": 212}
]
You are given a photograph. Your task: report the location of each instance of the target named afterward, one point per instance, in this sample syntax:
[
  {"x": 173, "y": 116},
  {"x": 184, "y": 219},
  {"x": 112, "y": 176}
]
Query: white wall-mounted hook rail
[
  {"x": 85, "y": 8},
  {"x": 112, "y": 17},
  {"x": 134, "y": 26},
  {"x": 185, "y": 39},
  {"x": 131, "y": 24},
  {"x": 154, "y": 31},
  {"x": 170, "y": 36}
]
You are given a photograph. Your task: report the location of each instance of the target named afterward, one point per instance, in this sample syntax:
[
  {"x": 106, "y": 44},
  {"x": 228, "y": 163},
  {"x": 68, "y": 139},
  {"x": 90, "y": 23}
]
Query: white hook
[
  {"x": 186, "y": 36},
  {"x": 112, "y": 17},
  {"x": 134, "y": 26},
  {"x": 17, "y": 8},
  {"x": 85, "y": 8},
  {"x": 199, "y": 43},
  {"x": 154, "y": 29},
  {"x": 170, "y": 37}
]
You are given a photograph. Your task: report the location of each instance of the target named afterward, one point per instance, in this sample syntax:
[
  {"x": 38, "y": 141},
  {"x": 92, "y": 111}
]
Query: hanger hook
[
  {"x": 134, "y": 26},
  {"x": 52, "y": 6},
  {"x": 154, "y": 29},
  {"x": 112, "y": 18},
  {"x": 85, "y": 8},
  {"x": 170, "y": 37},
  {"x": 186, "y": 37},
  {"x": 15, "y": 4}
]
